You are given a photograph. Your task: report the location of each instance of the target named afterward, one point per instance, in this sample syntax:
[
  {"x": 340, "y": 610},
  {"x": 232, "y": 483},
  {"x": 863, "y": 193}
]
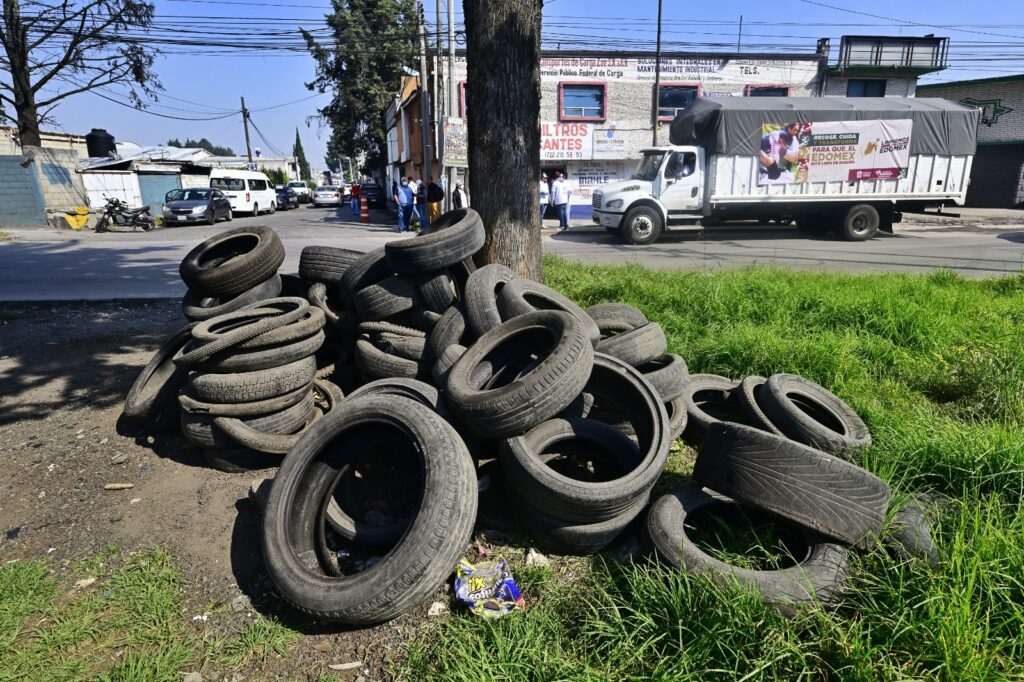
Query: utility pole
[
  {"x": 657, "y": 82},
  {"x": 245, "y": 123},
  {"x": 424, "y": 96},
  {"x": 453, "y": 107},
  {"x": 739, "y": 36},
  {"x": 439, "y": 100}
]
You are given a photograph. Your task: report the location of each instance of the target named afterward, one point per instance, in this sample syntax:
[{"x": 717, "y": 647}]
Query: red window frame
[
  {"x": 604, "y": 101},
  {"x": 766, "y": 86},
  {"x": 462, "y": 99},
  {"x": 676, "y": 84}
]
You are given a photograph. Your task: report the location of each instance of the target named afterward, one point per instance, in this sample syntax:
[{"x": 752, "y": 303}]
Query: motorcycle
[{"x": 117, "y": 216}]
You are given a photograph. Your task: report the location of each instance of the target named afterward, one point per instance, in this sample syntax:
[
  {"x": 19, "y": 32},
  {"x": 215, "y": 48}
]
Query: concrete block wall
[
  {"x": 58, "y": 179},
  {"x": 22, "y": 203}
]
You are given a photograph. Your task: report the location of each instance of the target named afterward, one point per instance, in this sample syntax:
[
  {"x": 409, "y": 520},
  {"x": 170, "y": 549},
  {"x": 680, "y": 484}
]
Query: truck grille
[{"x": 596, "y": 201}]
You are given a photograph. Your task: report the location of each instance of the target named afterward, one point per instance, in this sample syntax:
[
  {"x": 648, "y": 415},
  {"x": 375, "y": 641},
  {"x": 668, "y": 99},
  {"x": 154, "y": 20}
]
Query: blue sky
[{"x": 987, "y": 39}]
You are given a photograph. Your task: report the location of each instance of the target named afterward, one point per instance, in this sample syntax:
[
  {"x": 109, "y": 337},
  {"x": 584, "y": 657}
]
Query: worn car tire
[
  {"x": 420, "y": 560},
  {"x": 325, "y": 264},
  {"x": 191, "y": 404},
  {"x": 443, "y": 365},
  {"x": 450, "y": 330},
  {"x": 196, "y": 308},
  {"x": 521, "y": 296},
  {"x": 792, "y": 480},
  {"x": 677, "y": 417},
  {"x": 437, "y": 290},
  {"x": 703, "y": 392},
  {"x": 909, "y": 535},
  {"x": 368, "y": 269},
  {"x": 249, "y": 387},
  {"x": 637, "y": 346},
  {"x": 527, "y": 471},
  {"x": 668, "y": 374},
  {"x": 407, "y": 347},
  {"x": 320, "y": 295},
  {"x": 516, "y": 407},
  {"x": 615, "y": 318},
  {"x": 819, "y": 578},
  {"x": 152, "y": 400},
  {"x": 748, "y": 395},
  {"x": 239, "y": 460},
  {"x": 262, "y": 441},
  {"x": 272, "y": 314},
  {"x": 481, "y": 297},
  {"x": 810, "y": 414},
  {"x": 454, "y": 237},
  {"x": 374, "y": 363},
  {"x": 201, "y": 431},
  {"x": 265, "y": 358},
  {"x": 386, "y": 298},
  {"x": 232, "y": 262}
]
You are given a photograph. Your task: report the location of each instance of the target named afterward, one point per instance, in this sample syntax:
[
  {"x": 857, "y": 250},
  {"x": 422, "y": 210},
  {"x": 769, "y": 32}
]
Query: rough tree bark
[{"x": 503, "y": 103}]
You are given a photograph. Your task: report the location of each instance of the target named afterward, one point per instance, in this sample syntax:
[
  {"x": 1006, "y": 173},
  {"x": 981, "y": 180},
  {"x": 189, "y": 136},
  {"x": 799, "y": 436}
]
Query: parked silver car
[
  {"x": 327, "y": 195},
  {"x": 202, "y": 205}
]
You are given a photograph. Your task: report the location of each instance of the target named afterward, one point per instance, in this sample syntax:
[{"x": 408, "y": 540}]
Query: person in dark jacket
[
  {"x": 435, "y": 195},
  {"x": 457, "y": 196}
]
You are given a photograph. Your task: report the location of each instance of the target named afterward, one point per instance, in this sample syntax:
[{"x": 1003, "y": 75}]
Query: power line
[{"x": 907, "y": 23}]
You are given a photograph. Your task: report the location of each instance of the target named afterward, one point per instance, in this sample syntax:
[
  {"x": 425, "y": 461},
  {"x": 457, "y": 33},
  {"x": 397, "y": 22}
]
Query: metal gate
[{"x": 153, "y": 187}]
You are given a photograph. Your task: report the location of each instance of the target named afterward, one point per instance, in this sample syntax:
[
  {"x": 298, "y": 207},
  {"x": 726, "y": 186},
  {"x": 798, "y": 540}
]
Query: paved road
[{"x": 48, "y": 265}]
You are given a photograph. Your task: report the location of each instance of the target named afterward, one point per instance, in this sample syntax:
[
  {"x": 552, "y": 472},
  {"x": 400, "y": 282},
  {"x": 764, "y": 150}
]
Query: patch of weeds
[{"x": 257, "y": 641}]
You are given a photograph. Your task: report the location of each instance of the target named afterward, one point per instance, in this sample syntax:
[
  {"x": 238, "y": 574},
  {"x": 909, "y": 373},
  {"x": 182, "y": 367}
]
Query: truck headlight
[{"x": 613, "y": 204}]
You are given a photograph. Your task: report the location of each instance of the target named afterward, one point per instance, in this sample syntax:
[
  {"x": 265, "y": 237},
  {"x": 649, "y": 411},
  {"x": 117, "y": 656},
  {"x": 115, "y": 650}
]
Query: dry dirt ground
[{"x": 64, "y": 371}]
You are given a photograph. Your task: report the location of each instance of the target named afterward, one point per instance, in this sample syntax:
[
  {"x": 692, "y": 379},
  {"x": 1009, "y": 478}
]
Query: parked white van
[{"x": 249, "y": 192}]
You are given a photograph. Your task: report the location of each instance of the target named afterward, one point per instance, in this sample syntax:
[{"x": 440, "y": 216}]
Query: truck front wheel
[
  {"x": 642, "y": 226},
  {"x": 860, "y": 223}
]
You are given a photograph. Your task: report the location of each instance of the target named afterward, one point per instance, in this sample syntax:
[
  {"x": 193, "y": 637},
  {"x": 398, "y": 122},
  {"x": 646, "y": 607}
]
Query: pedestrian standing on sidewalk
[
  {"x": 356, "y": 188},
  {"x": 561, "y": 195},
  {"x": 394, "y": 191},
  {"x": 406, "y": 201},
  {"x": 457, "y": 195},
  {"x": 435, "y": 195},
  {"x": 545, "y": 196},
  {"x": 421, "y": 206}
]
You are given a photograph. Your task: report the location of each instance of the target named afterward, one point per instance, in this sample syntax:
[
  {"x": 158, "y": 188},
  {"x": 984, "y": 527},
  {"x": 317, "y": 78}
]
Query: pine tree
[{"x": 300, "y": 157}]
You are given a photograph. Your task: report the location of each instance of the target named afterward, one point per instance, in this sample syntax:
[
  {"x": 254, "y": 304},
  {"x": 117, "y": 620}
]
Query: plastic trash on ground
[{"x": 488, "y": 589}]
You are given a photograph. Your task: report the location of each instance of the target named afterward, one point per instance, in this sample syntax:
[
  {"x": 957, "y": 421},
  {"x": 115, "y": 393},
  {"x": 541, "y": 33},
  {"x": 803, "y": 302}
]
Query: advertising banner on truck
[{"x": 831, "y": 151}]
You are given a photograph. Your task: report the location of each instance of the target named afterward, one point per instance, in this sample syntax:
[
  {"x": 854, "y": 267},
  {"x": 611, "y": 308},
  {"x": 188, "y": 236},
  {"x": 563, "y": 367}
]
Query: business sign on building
[
  {"x": 566, "y": 141},
  {"x": 618, "y": 140},
  {"x": 831, "y": 151}
]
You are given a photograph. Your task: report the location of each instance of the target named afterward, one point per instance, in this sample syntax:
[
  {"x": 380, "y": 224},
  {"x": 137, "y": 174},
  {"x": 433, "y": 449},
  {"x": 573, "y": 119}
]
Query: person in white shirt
[
  {"x": 561, "y": 196},
  {"x": 545, "y": 196}
]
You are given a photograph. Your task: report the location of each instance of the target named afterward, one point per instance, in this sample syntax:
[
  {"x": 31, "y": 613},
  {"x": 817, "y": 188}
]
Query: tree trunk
[
  {"x": 15, "y": 44},
  {"x": 503, "y": 103}
]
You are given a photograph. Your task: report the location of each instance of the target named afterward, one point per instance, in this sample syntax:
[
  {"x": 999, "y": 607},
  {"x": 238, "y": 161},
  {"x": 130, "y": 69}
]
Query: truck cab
[{"x": 667, "y": 188}]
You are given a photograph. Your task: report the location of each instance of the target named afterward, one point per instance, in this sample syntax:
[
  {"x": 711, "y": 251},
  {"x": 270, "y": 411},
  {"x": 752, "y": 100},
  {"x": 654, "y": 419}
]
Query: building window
[
  {"x": 865, "y": 87},
  {"x": 462, "y": 99},
  {"x": 767, "y": 91},
  {"x": 582, "y": 101},
  {"x": 674, "y": 98}
]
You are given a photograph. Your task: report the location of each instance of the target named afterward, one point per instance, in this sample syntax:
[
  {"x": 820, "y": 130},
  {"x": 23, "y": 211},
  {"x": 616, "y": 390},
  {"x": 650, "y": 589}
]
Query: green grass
[
  {"x": 115, "y": 618},
  {"x": 935, "y": 365}
]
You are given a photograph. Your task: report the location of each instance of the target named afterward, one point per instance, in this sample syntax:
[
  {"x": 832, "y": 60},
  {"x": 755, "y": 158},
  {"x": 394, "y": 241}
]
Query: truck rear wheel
[
  {"x": 642, "y": 226},
  {"x": 860, "y": 223}
]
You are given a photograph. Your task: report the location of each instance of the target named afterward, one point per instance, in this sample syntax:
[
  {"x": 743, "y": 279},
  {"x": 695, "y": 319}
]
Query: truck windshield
[{"x": 649, "y": 166}]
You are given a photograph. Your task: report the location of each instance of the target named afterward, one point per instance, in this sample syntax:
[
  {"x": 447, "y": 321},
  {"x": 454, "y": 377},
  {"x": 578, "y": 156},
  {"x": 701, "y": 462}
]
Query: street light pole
[
  {"x": 452, "y": 94},
  {"x": 424, "y": 98},
  {"x": 656, "y": 98}
]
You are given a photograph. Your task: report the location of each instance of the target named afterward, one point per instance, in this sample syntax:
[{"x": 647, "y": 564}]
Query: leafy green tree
[
  {"x": 300, "y": 156},
  {"x": 276, "y": 175},
  {"x": 372, "y": 41},
  {"x": 201, "y": 144}
]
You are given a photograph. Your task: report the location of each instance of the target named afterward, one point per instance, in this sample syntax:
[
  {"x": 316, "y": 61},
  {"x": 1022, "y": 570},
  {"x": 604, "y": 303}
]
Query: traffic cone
[{"x": 364, "y": 210}]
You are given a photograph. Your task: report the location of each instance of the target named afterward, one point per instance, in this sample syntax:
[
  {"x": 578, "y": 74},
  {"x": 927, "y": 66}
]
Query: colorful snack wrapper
[{"x": 488, "y": 589}]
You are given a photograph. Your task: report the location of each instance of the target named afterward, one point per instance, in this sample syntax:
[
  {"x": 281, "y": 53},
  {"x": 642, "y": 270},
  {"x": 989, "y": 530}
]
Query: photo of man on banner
[{"x": 780, "y": 154}]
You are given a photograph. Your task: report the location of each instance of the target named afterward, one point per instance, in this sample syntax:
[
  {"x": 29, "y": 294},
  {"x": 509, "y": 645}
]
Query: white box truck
[{"x": 832, "y": 164}]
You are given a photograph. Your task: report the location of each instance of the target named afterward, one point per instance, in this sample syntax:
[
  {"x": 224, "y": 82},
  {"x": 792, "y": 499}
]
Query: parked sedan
[
  {"x": 203, "y": 205},
  {"x": 327, "y": 195},
  {"x": 286, "y": 197},
  {"x": 374, "y": 195}
]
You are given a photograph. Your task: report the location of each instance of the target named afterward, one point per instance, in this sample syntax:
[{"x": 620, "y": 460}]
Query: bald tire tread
[
  {"x": 637, "y": 346},
  {"x": 513, "y": 301},
  {"x": 262, "y": 441},
  {"x": 565, "y": 537},
  {"x": 819, "y": 578},
  {"x": 201, "y": 431},
  {"x": 454, "y": 237},
  {"x": 407, "y": 347},
  {"x": 615, "y": 318},
  {"x": 797, "y": 482},
  {"x": 197, "y": 308},
  {"x": 265, "y": 358},
  {"x": 443, "y": 366},
  {"x": 668, "y": 374},
  {"x": 224, "y": 265},
  {"x": 369, "y": 269},
  {"x": 437, "y": 290},
  {"x": 325, "y": 263},
  {"x": 748, "y": 394},
  {"x": 543, "y": 488},
  {"x": 481, "y": 299},
  {"x": 152, "y": 400},
  {"x": 797, "y": 424},
  {"x": 520, "y": 405},
  {"x": 308, "y": 323},
  {"x": 248, "y": 387},
  {"x": 424, "y": 555},
  {"x": 275, "y": 319},
  {"x": 386, "y": 298},
  {"x": 413, "y": 389},
  {"x": 374, "y": 363},
  {"x": 191, "y": 404},
  {"x": 450, "y": 330}
]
